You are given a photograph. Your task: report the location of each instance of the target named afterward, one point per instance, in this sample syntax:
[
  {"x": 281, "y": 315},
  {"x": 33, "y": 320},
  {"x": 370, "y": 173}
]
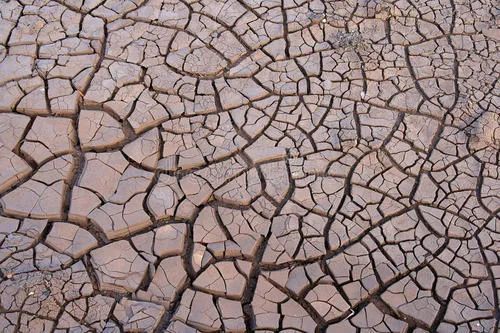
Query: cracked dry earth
[{"x": 245, "y": 165}]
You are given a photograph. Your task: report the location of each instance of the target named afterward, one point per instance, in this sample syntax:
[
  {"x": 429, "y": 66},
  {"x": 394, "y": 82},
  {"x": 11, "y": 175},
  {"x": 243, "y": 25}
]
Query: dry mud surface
[{"x": 245, "y": 165}]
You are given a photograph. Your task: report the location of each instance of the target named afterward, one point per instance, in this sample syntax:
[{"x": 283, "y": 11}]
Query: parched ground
[{"x": 245, "y": 165}]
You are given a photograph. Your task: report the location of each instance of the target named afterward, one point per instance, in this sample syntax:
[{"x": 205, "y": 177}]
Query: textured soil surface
[{"x": 249, "y": 165}]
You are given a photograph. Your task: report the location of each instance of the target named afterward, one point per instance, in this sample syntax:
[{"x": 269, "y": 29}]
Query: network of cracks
[{"x": 249, "y": 165}]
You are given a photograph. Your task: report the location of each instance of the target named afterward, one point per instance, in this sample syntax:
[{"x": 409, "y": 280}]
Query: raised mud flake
[
  {"x": 299, "y": 234},
  {"x": 97, "y": 129},
  {"x": 197, "y": 190},
  {"x": 242, "y": 190},
  {"x": 327, "y": 301},
  {"x": 225, "y": 278},
  {"x": 12, "y": 168},
  {"x": 148, "y": 112},
  {"x": 70, "y": 239},
  {"x": 164, "y": 197},
  {"x": 301, "y": 278},
  {"x": 170, "y": 239},
  {"x": 274, "y": 309},
  {"x": 49, "y": 137},
  {"x": 321, "y": 194},
  {"x": 145, "y": 149},
  {"x": 277, "y": 182},
  {"x": 163, "y": 241},
  {"x": 34, "y": 103},
  {"x": 357, "y": 274},
  {"x": 133, "y": 181},
  {"x": 232, "y": 315},
  {"x": 83, "y": 202},
  {"x": 111, "y": 76},
  {"x": 118, "y": 220},
  {"x": 102, "y": 173},
  {"x": 310, "y": 284},
  {"x": 196, "y": 61},
  {"x": 166, "y": 282},
  {"x": 197, "y": 309},
  {"x": 212, "y": 242},
  {"x": 412, "y": 300},
  {"x": 118, "y": 267},
  {"x": 138, "y": 316},
  {"x": 12, "y": 127},
  {"x": 92, "y": 27},
  {"x": 122, "y": 212},
  {"x": 63, "y": 97},
  {"x": 15, "y": 67},
  {"x": 41, "y": 196}
]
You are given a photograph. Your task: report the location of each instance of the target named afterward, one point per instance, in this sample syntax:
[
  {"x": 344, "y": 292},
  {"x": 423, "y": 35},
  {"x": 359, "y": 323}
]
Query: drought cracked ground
[{"x": 244, "y": 165}]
